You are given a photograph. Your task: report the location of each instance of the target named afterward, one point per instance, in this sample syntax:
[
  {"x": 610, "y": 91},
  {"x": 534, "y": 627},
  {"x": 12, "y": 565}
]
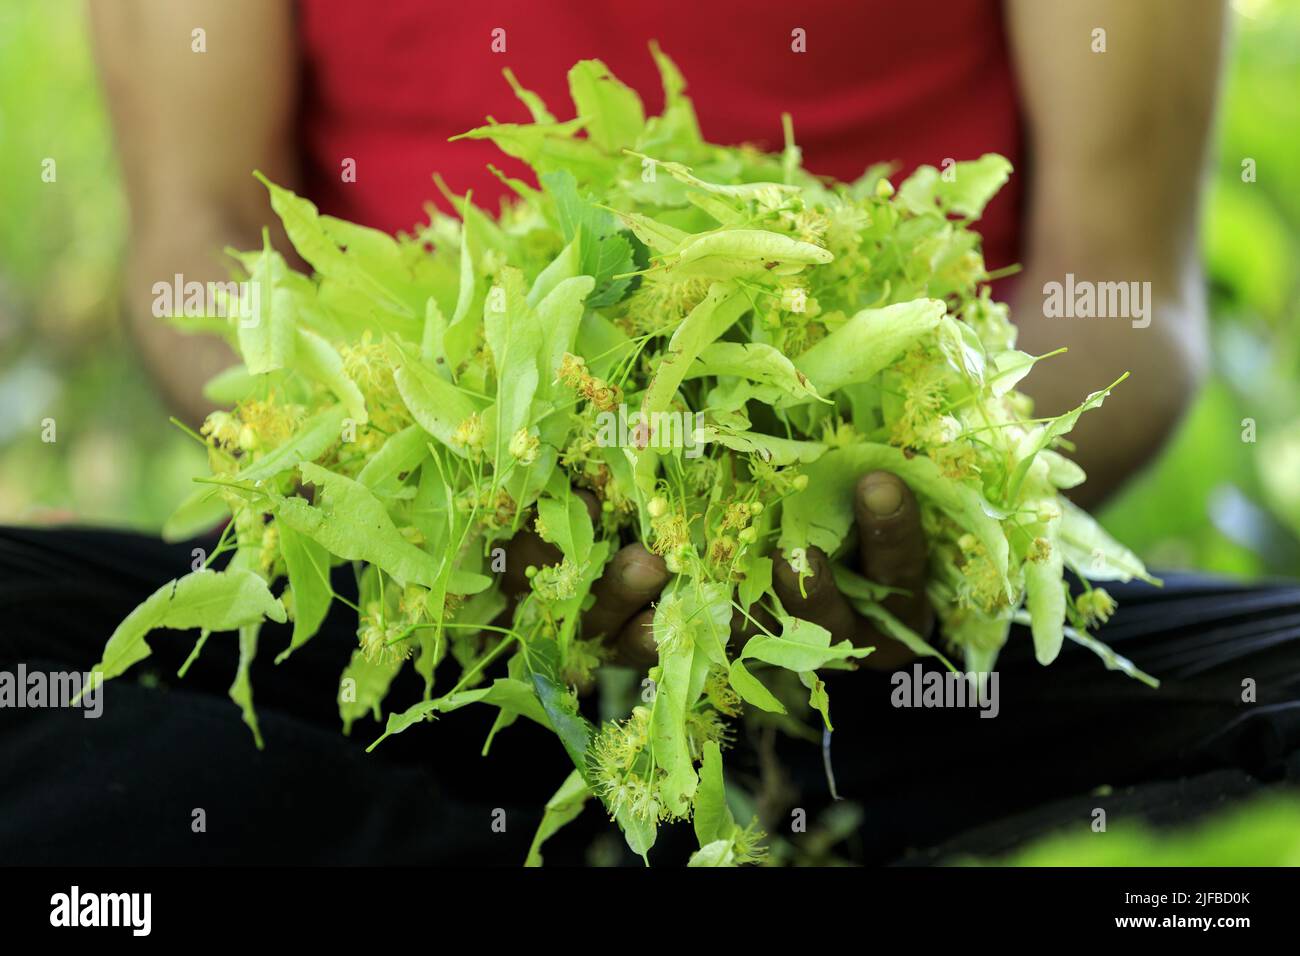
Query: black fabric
[{"x": 123, "y": 788}]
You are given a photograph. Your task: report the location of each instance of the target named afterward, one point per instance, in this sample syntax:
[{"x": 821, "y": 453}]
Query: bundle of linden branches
[{"x": 713, "y": 343}]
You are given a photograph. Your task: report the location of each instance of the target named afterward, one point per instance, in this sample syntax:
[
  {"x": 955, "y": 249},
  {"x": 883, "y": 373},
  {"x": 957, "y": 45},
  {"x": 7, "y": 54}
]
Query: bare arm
[
  {"x": 1116, "y": 149},
  {"x": 191, "y": 127}
]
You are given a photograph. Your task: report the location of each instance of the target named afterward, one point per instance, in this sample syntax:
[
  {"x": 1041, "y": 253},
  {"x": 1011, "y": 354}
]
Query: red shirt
[{"x": 388, "y": 81}]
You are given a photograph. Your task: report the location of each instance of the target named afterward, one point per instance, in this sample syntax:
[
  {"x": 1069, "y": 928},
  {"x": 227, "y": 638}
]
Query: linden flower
[
  {"x": 939, "y": 431},
  {"x": 414, "y": 601},
  {"x": 382, "y": 644},
  {"x": 841, "y": 434},
  {"x": 286, "y": 598},
  {"x": 671, "y": 532},
  {"x": 957, "y": 461},
  {"x": 810, "y": 227},
  {"x": 1096, "y": 606},
  {"x": 270, "y": 547},
  {"x": 748, "y": 845},
  {"x": 1039, "y": 551},
  {"x": 557, "y": 582},
  {"x": 981, "y": 584},
  {"x": 663, "y": 300},
  {"x": 524, "y": 446},
  {"x": 368, "y": 365},
  {"x": 573, "y": 374},
  {"x": 736, "y": 516},
  {"x": 794, "y": 298},
  {"x": 723, "y": 549},
  {"x": 605, "y": 398},
  {"x": 572, "y": 370},
  {"x": 845, "y": 225},
  {"x": 469, "y": 433},
  {"x": 222, "y": 428},
  {"x": 718, "y": 692},
  {"x": 705, "y": 726}
]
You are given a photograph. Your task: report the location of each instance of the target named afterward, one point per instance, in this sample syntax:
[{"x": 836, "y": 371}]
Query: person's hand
[
  {"x": 622, "y": 613},
  {"x": 891, "y": 551}
]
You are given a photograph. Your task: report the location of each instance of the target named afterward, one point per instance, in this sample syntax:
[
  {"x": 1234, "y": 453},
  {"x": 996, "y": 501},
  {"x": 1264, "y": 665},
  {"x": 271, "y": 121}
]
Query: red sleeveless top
[{"x": 386, "y": 83}]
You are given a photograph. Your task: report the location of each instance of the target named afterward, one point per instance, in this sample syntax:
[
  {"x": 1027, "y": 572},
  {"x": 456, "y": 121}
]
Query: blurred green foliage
[
  {"x": 1213, "y": 501},
  {"x": 1263, "y": 832},
  {"x": 63, "y": 355}
]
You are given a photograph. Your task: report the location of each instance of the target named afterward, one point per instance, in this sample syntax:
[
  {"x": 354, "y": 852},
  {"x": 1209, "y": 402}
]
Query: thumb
[{"x": 892, "y": 546}]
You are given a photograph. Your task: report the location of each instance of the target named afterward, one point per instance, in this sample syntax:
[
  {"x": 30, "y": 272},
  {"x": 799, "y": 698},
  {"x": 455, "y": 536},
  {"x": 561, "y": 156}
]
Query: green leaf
[
  {"x": 717, "y": 853},
  {"x": 318, "y": 360},
  {"x": 713, "y": 821},
  {"x": 569, "y": 725},
  {"x": 610, "y": 110},
  {"x": 351, "y": 523},
  {"x": 308, "y": 233},
  {"x": 868, "y": 343},
  {"x": 1043, "y": 435},
  {"x": 438, "y": 406},
  {"x": 308, "y": 567},
  {"x": 757, "y": 363},
  {"x": 1045, "y": 596},
  {"x": 801, "y": 646},
  {"x": 241, "y": 691},
  {"x": 604, "y": 253},
  {"x": 1092, "y": 553},
  {"x": 735, "y": 253},
  {"x": 211, "y": 600},
  {"x": 400, "y": 455},
  {"x": 202, "y": 510},
  {"x": 640, "y": 834},
  {"x": 964, "y": 191},
  {"x": 369, "y": 685},
  {"x": 312, "y": 439},
  {"x": 818, "y": 699},
  {"x": 567, "y": 525},
  {"x": 266, "y": 338},
  {"x": 752, "y": 691},
  {"x": 716, "y": 313},
  {"x": 563, "y": 808}
]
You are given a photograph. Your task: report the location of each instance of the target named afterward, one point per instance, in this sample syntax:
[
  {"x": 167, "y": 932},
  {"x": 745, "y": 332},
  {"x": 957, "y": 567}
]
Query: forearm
[
  {"x": 190, "y": 246},
  {"x": 1166, "y": 361},
  {"x": 1117, "y": 136},
  {"x": 191, "y": 126}
]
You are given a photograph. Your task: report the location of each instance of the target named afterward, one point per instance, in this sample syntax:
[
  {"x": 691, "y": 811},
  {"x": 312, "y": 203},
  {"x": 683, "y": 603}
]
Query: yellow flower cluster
[
  {"x": 573, "y": 373},
  {"x": 1095, "y": 605}
]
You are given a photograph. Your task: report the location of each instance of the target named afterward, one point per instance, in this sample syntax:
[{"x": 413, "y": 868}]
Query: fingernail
[
  {"x": 883, "y": 498},
  {"x": 641, "y": 576}
]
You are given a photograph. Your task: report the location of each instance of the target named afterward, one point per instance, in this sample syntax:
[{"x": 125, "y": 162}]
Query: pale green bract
[{"x": 713, "y": 345}]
